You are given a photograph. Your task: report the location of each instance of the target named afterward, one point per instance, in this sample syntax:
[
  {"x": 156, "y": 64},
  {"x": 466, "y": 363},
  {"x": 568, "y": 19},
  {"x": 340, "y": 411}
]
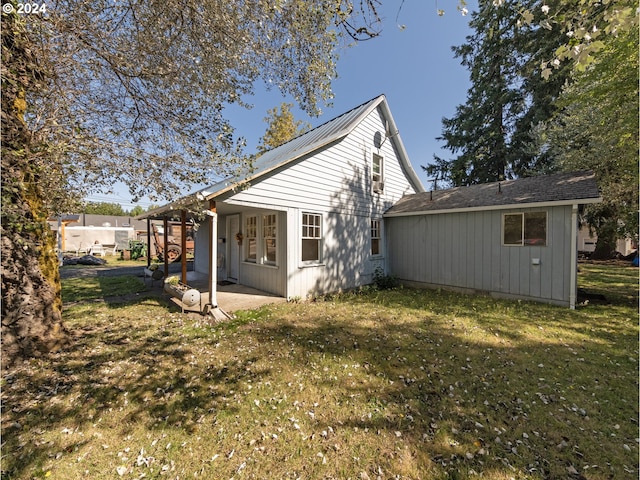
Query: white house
[
  {"x": 324, "y": 211},
  {"x": 311, "y": 219}
]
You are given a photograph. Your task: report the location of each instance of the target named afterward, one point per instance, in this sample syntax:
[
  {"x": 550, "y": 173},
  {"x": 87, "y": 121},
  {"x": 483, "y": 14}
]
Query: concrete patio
[{"x": 231, "y": 296}]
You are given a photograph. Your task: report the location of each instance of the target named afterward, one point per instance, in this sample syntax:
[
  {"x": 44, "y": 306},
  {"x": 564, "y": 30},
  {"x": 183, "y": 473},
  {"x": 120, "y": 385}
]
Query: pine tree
[{"x": 493, "y": 133}]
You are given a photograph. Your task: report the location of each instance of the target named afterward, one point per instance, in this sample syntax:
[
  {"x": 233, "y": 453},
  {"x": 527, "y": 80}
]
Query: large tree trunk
[
  {"x": 31, "y": 302},
  {"x": 605, "y": 245}
]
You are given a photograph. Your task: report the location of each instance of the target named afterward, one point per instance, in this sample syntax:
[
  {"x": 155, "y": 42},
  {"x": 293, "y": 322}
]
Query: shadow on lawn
[
  {"x": 450, "y": 387},
  {"x": 83, "y": 383},
  {"x": 475, "y": 397}
]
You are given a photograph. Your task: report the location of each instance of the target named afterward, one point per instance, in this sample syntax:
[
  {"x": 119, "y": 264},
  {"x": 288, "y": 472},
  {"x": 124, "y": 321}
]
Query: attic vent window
[{"x": 377, "y": 174}]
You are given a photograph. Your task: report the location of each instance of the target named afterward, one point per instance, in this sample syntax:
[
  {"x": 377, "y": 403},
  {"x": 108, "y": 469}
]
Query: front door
[{"x": 234, "y": 248}]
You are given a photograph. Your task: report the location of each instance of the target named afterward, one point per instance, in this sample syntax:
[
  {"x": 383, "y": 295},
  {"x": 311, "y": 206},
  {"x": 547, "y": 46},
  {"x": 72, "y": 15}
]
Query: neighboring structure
[
  {"x": 76, "y": 233},
  {"x": 513, "y": 239},
  {"x": 331, "y": 207},
  {"x": 587, "y": 243}
]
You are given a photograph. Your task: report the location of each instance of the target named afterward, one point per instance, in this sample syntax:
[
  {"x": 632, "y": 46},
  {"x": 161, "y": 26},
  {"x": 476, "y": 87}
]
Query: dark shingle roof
[{"x": 561, "y": 188}]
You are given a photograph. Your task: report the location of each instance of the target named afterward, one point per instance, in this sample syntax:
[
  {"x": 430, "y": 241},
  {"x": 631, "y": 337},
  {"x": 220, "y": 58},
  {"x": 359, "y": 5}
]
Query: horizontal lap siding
[
  {"x": 464, "y": 250},
  {"x": 335, "y": 182}
]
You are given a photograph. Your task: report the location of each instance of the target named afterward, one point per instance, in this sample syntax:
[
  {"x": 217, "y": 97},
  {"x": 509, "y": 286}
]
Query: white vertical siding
[{"x": 464, "y": 251}]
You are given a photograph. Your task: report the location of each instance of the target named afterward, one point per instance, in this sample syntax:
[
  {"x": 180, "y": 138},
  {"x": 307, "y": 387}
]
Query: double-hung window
[
  {"x": 375, "y": 237},
  {"x": 377, "y": 173},
  {"x": 269, "y": 235},
  {"x": 524, "y": 229},
  {"x": 311, "y": 238},
  {"x": 251, "y": 244}
]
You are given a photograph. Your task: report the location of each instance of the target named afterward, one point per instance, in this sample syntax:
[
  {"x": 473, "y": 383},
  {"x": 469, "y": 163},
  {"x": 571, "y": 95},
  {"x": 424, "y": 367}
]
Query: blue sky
[{"x": 414, "y": 67}]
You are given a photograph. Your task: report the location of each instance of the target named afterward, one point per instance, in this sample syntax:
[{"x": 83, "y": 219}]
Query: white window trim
[
  {"x": 261, "y": 254},
  {"x": 320, "y": 239},
  {"x": 523, "y": 241},
  {"x": 263, "y": 238},
  {"x": 380, "y": 241},
  {"x": 380, "y": 175},
  {"x": 245, "y": 252}
]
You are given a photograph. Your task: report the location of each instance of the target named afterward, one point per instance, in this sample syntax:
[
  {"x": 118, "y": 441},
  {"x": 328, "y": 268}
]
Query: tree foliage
[
  {"x": 491, "y": 135},
  {"x": 136, "y": 91},
  {"x": 104, "y": 208},
  {"x": 282, "y": 127},
  {"x": 598, "y": 129}
]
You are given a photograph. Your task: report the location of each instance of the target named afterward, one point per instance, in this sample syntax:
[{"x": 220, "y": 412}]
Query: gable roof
[
  {"x": 558, "y": 189},
  {"x": 317, "y": 138}
]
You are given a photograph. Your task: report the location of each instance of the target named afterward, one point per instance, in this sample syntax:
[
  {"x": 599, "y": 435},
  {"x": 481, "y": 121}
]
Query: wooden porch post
[
  {"x": 148, "y": 242},
  {"x": 165, "y": 240},
  {"x": 213, "y": 254},
  {"x": 183, "y": 244}
]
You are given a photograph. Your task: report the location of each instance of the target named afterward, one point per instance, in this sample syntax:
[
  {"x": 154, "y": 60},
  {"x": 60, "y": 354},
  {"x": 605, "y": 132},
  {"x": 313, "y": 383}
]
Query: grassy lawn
[
  {"x": 81, "y": 289},
  {"x": 384, "y": 384}
]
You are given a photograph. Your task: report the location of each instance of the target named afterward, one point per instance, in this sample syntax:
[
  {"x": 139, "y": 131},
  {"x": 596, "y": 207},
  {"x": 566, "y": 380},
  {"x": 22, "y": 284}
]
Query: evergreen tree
[{"x": 493, "y": 133}]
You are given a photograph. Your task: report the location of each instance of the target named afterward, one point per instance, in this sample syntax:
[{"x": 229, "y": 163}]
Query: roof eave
[{"x": 555, "y": 203}]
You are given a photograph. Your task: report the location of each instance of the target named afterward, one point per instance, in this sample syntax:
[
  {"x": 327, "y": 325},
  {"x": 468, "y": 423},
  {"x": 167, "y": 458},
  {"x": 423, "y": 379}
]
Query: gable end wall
[{"x": 336, "y": 182}]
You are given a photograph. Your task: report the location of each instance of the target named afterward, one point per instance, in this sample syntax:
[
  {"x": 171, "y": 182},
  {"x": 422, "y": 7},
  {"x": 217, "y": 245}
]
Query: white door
[{"x": 234, "y": 248}]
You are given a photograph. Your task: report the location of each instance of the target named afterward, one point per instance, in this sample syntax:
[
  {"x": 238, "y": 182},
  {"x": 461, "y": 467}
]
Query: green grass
[
  {"x": 385, "y": 384},
  {"x": 81, "y": 289}
]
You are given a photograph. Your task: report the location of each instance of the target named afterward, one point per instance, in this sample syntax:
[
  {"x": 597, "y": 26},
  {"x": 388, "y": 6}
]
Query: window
[
  {"x": 375, "y": 237},
  {"x": 252, "y": 230},
  {"x": 311, "y": 237},
  {"x": 269, "y": 236},
  {"x": 377, "y": 177},
  {"x": 525, "y": 229}
]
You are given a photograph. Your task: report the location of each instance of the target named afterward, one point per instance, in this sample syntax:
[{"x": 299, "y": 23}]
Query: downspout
[{"x": 573, "y": 286}]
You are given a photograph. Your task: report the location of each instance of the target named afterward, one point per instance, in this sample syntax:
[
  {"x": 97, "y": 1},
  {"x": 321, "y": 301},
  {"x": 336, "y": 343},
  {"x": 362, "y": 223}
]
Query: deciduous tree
[
  {"x": 282, "y": 127},
  {"x": 135, "y": 91},
  {"x": 597, "y": 129},
  {"x": 104, "y": 208},
  {"x": 31, "y": 305}
]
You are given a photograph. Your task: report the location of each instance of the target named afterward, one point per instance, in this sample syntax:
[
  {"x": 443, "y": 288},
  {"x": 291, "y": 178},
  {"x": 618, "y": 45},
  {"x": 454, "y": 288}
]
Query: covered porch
[
  {"x": 231, "y": 297},
  {"x": 229, "y": 273}
]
